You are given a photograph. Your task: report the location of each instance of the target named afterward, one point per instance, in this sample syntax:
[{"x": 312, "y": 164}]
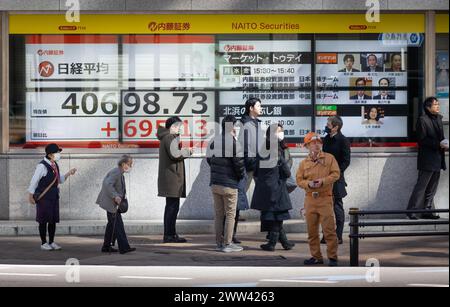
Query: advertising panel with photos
[{"x": 366, "y": 83}]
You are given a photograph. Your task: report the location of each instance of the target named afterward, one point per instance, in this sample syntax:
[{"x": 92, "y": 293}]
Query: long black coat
[
  {"x": 271, "y": 192},
  {"x": 339, "y": 147},
  {"x": 430, "y": 133}
]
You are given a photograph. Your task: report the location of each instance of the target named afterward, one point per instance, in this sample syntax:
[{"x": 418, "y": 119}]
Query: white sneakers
[
  {"x": 55, "y": 246},
  {"x": 232, "y": 248},
  {"x": 50, "y": 247},
  {"x": 46, "y": 247}
]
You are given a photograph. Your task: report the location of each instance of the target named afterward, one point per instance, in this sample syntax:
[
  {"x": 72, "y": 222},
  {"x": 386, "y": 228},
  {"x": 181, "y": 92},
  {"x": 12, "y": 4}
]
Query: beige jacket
[{"x": 325, "y": 168}]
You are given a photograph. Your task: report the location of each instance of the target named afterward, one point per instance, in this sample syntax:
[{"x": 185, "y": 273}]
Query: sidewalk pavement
[{"x": 200, "y": 251}]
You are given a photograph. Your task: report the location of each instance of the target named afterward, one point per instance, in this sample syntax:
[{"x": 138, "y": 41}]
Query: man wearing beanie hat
[{"x": 316, "y": 175}]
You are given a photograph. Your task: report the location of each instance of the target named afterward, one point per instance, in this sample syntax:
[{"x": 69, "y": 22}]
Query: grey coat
[{"x": 113, "y": 186}]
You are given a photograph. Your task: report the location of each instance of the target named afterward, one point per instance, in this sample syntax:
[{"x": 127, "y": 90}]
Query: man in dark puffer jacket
[{"x": 227, "y": 169}]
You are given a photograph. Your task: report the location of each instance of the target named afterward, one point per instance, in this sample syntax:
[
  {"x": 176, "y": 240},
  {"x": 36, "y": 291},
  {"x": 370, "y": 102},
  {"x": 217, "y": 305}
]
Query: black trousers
[
  {"x": 51, "y": 232},
  {"x": 339, "y": 213},
  {"x": 271, "y": 226},
  {"x": 424, "y": 191},
  {"x": 115, "y": 230},
  {"x": 170, "y": 216}
]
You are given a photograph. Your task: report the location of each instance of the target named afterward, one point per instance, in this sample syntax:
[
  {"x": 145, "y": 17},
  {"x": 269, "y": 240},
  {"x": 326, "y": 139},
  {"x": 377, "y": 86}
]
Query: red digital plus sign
[{"x": 108, "y": 129}]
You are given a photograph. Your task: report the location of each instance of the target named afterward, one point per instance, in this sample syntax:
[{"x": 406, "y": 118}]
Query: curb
[{"x": 185, "y": 227}]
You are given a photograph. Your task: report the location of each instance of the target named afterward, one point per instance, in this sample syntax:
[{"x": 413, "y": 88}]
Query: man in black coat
[
  {"x": 338, "y": 145},
  {"x": 250, "y": 139},
  {"x": 251, "y": 135},
  {"x": 430, "y": 160}
]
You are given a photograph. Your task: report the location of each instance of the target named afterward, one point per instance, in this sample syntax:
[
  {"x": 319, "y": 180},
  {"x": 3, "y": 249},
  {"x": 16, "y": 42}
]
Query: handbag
[
  {"x": 38, "y": 196},
  {"x": 291, "y": 184},
  {"x": 123, "y": 207}
]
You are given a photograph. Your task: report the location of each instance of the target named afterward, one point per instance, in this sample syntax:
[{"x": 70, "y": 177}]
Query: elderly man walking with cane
[{"x": 112, "y": 199}]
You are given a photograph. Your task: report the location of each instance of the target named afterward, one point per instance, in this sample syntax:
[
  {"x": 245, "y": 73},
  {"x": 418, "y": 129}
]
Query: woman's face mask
[
  {"x": 175, "y": 129},
  {"x": 281, "y": 136},
  {"x": 57, "y": 156}
]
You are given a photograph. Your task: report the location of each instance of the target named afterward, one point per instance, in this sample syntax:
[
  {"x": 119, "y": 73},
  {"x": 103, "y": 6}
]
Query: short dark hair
[
  {"x": 349, "y": 57},
  {"x": 389, "y": 82},
  {"x": 124, "y": 160},
  {"x": 51, "y": 149},
  {"x": 250, "y": 103},
  {"x": 228, "y": 119},
  {"x": 172, "y": 120},
  {"x": 429, "y": 102},
  {"x": 394, "y": 55},
  {"x": 376, "y": 58},
  {"x": 360, "y": 79},
  {"x": 336, "y": 121},
  {"x": 378, "y": 113}
]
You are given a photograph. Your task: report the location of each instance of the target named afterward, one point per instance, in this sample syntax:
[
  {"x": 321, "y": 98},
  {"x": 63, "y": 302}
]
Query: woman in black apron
[{"x": 44, "y": 193}]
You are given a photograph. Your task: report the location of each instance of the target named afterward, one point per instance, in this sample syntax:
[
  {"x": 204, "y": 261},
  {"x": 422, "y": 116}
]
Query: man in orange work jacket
[{"x": 316, "y": 175}]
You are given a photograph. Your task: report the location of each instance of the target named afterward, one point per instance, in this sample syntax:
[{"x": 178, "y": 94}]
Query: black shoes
[
  {"x": 332, "y": 263},
  {"x": 287, "y": 245},
  {"x": 340, "y": 241},
  {"x": 412, "y": 217},
  {"x": 236, "y": 240},
  {"x": 268, "y": 247},
  {"x": 174, "y": 239},
  {"x": 273, "y": 240},
  {"x": 109, "y": 250},
  {"x": 132, "y": 249},
  {"x": 113, "y": 250},
  {"x": 427, "y": 216},
  {"x": 313, "y": 261},
  {"x": 430, "y": 216}
]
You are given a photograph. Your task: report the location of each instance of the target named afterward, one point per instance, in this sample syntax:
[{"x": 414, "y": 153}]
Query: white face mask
[
  {"x": 281, "y": 136},
  {"x": 57, "y": 156},
  {"x": 175, "y": 129}
]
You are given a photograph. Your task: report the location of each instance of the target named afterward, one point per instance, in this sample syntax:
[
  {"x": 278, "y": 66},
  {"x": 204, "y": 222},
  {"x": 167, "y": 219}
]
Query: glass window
[
  {"x": 372, "y": 82},
  {"x": 106, "y": 91},
  {"x": 442, "y": 75},
  {"x": 277, "y": 69}
]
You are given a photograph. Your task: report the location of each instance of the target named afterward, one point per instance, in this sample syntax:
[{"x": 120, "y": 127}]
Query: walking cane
[{"x": 114, "y": 230}]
